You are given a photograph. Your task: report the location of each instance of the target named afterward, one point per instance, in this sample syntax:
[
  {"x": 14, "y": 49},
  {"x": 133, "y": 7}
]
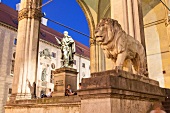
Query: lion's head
[{"x": 106, "y": 30}]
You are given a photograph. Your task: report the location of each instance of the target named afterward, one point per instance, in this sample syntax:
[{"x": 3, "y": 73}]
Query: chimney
[{"x": 18, "y": 6}]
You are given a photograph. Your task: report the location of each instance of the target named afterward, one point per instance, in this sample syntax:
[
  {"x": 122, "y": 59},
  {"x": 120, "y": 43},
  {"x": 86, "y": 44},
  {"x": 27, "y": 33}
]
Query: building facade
[{"x": 49, "y": 56}]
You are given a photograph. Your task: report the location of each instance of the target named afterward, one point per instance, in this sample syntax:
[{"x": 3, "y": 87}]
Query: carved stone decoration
[
  {"x": 92, "y": 42},
  {"x": 119, "y": 46},
  {"x": 44, "y": 74},
  {"x": 167, "y": 21},
  {"x": 30, "y": 13},
  {"x": 23, "y": 14},
  {"x": 45, "y": 53}
]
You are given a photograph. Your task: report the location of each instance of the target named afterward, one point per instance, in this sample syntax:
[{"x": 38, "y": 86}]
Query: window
[
  {"x": 53, "y": 55},
  {"x": 53, "y": 66},
  {"x": 51, "y": 77},
  {"x": 74, "y": 62},
  {"x": 83, "y": 65},
  {"x": 10, "y": 91},
  {"x": 12, "y": 66},
  {"x": 15, "y": 41},
  {"x": 14, "y": 55}
]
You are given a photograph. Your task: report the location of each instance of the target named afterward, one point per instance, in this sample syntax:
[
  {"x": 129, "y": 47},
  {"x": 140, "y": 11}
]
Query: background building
[{"x": 49, "y": 55}]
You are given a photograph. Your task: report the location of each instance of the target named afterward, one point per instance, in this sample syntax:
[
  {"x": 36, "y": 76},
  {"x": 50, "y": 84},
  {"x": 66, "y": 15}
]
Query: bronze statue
[{"x": 68, "y": 49}]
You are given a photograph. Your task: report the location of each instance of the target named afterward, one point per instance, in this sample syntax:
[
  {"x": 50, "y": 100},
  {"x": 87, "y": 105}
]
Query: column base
[{"x": 20, "y": 96}]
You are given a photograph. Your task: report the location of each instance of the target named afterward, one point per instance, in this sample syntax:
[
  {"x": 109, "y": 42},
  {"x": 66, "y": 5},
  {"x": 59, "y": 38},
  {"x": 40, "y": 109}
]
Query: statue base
[
  {"x": 62, "y": 77},
  {"x": 122, "y": 92}
]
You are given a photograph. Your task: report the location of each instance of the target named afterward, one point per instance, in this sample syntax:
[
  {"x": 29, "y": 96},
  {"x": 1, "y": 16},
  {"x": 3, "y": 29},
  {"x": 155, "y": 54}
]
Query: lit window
[
  {"x": 15, "y": 41},
  {"x": 83, "y": 65},
  {"x": 53, "y": 55}
]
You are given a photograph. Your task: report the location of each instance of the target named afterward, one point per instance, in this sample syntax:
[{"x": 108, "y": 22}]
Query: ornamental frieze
[{"x": 30, "y": 13}]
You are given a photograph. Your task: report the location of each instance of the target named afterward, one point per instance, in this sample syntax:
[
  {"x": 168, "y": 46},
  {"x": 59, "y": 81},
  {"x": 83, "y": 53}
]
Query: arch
[{"x": 88, "y": 16}]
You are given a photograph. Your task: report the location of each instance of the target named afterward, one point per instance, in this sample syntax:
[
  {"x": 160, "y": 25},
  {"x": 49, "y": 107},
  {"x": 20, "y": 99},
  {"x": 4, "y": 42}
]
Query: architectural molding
[
  {"x": 167, "y": 22},
  {"x": 8, "y": 26},
  {"x": 92, "y": 42},
  {"x": 30, "y": 13},
  {"x": 155, "y": 23},
  {"x": 88, "y": 16}
]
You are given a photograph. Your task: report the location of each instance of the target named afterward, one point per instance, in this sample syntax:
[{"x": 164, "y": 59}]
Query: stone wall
[
  {"x": 6, "y": 44},
  {"x": 47, "y": 105},
  {"x": 157, "y": 41}
]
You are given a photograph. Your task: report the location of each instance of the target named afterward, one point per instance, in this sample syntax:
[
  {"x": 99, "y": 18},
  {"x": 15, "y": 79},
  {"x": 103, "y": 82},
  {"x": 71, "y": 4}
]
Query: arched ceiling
[
  {"x": 148, "y": 5},
  {"x": 95, "y": 10}
]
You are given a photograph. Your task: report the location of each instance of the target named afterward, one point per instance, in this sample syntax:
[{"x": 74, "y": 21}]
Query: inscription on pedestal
[{"x": 59, "y": 83}]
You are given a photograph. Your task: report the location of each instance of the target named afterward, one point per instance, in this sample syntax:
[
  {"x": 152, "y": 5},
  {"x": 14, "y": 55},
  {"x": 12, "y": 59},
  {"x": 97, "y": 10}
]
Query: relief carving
[{"x": 45, "y": 53}]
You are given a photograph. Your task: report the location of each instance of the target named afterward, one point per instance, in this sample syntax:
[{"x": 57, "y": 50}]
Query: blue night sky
[{"x": 66, "y": 12}]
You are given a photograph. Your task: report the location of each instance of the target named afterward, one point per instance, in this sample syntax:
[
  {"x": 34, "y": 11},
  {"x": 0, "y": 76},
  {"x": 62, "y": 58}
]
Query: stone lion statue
[{"x": 119, "y": 46}]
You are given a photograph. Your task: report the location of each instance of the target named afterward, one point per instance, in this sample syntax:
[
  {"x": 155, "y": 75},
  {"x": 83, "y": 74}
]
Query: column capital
[
  {"x": 32, "y": 13},
  {"x": 92, "y": 42},
  {"x": 167, "y": 22}
]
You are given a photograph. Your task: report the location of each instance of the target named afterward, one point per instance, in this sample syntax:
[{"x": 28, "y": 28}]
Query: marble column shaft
[{"x": 25, "y": 70}]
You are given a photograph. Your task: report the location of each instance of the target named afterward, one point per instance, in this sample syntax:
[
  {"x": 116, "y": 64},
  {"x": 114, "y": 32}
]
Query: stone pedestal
[
  {"x": 104, "y": 92},
  {"x": 63, "y": 77},
  {"x": 122, "y": 92}
]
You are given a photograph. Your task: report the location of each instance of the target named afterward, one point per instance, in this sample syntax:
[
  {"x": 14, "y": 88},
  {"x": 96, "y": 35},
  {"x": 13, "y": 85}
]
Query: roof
[{"x": 9, "y": 16}]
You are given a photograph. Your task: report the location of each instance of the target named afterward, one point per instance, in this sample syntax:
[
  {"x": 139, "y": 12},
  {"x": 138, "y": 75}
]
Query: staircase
[{"x": 166, "y": 103}]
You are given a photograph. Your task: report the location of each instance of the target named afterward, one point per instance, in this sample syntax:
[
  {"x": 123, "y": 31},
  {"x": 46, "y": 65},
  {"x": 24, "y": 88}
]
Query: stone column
[
  {"x": 97, "y": 57},
  {"x": 138, "y": 22},
  {"x": 117, "y": 11},
  {"x": 25, "y": 70},
  {"x": 168, "y": 20},
  {"x": 92, "y": 55},
  {"x": 130, "y": 17},
  {"x": 166, "y": 65}
]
